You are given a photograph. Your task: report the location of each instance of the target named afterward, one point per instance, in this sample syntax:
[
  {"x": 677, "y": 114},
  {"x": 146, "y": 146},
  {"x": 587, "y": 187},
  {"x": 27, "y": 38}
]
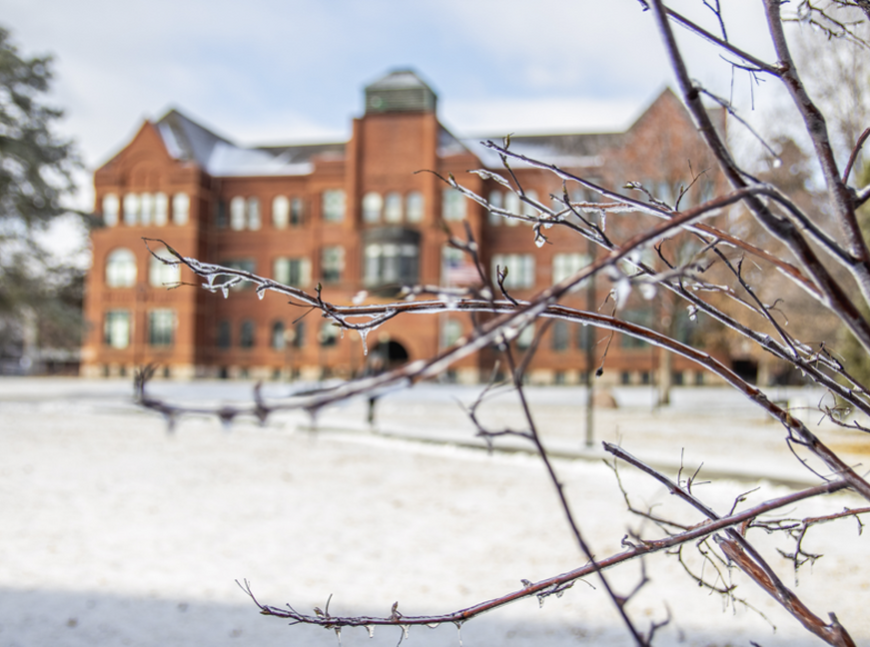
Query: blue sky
[{"x": 270, "y": 71}]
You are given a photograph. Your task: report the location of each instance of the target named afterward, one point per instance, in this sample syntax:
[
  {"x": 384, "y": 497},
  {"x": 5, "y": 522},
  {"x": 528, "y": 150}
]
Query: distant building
[{"x": 352, "y": 216}]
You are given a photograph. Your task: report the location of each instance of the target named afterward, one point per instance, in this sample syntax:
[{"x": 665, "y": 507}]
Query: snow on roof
[
  {"x": 187, "y": 140},
  {"x": 399, "y": 80}
]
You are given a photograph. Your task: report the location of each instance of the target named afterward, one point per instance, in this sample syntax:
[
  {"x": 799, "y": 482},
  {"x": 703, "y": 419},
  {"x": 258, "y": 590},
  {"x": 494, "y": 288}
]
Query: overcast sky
[{"x": 280, "y": 71}]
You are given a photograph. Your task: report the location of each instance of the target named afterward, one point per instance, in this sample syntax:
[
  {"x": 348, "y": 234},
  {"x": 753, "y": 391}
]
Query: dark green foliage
[{"x": 35, "y": 174}]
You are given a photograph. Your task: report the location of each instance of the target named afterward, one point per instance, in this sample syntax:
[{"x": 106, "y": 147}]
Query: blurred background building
[{"x": 358, "y": 216}]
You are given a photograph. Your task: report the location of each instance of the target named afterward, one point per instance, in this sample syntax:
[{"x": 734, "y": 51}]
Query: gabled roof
[{"x": 187, "y": 140}]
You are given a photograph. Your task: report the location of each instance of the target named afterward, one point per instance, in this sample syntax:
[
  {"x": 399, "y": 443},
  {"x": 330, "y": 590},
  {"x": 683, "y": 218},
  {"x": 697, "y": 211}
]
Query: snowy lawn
[{"x": 114, "y": 533}]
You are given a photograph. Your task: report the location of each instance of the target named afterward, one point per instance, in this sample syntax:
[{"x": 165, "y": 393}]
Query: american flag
[{"x": 460, "y": 271}]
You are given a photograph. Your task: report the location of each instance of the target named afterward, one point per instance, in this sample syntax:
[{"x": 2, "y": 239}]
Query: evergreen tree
[{"x": 35, "y": 174}]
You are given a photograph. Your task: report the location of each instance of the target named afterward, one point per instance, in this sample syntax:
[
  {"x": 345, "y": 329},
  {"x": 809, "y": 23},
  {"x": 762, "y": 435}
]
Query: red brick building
[{"x": 352, "y": 216}]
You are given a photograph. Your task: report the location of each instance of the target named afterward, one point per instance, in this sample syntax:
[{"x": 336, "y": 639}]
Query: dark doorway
[
  {"x": 746, "y": 369},
  {"x": 391, "y": 354}
]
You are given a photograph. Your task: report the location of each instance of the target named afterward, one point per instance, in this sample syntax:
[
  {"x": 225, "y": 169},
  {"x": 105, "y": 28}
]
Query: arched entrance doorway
[{"x": 387, "y": 355}]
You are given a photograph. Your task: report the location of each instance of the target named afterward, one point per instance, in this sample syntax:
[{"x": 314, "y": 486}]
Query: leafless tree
[{"x": 821, "y": 252}]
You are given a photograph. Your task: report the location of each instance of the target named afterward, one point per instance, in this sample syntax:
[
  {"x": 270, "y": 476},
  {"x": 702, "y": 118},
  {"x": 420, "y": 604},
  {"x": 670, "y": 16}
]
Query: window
[
  {"x": 253, "y": 209},
  {"x": 521, "y": 269},
  {"x": 642, "y": 318},
  {"x": 116, "y": 332},
  {"x": 244, "y": 264},
  {"x": 111, "y": 207},
  {"x": 292, "y": 271},
  {"x": 280, "y": 212},
  {"x": 328, "y": 334},
  {"x": 529, "y": 210},
  {"x": 496, "y": 202},
  {"x": 237, "y": 213},
  {"x": 512, "y": 205},
  {"x": 180, "y": 208},
  {"x": 333, "y": 205},
  {"x": 451, "y": 331},
  {"x": 565, "y": 265},
  {"x": 220, "y": 220},
  {"x": 332, "y": 264},
  {"x": 296, "y": 212},
  {"x": 161, "y": 209},
  {"x": 371, "y": 207},
  {"x": 146, "y": 209},
  {"x": 393, "y": 208},
  {"x": 585, "y": 337},
  {"x": 299, "y": 337},
  {"x": 131, "y": 209},
  {"x": 160, "y": 274},
  {"x": 526, "y": 337},
  {"x": 277, "y": 337},
  {"x": 121, "y": 269},
  {"x": 414, "y": 207},
  {"x": 453, "y": 205},
  {"x": 161, "y": 327},
  {"x": 224, "y": 335},
  {"x": 390, "y": 262},
  {"x": 559, "y": 335},
  {"x": 246, "y": 334},
  {"x": 457, "y": 268}
]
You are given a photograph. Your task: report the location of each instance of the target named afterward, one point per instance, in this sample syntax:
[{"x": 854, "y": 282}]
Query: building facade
[{"x": 354, "y": 216}]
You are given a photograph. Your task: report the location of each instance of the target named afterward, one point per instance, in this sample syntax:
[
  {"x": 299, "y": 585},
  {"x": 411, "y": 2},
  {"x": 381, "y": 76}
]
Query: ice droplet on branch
[
  {"x": 371, "y": 630},
  {"x": 363, "y": 334}
]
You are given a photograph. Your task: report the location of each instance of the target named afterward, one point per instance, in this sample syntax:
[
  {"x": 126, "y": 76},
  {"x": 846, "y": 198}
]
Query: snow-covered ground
[{"x": 114, "y": 533}]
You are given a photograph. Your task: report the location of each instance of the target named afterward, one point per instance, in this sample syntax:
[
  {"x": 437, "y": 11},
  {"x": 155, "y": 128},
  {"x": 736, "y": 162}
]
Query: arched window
[
  {"x": 280, "y": 212},
  {"x": 160, "y": 274},
  {"x": 393, "y": 208},
  {"x": 111, "y": 207},
  {"x": 161, "y": 209},
  {"x": 371, "y": 207},
  {"x": 253, "y": 214},
  {"x": 237, "y": 213},
  {"x": 131, "y": 209},
  {"x": 278, "y": 339},
  {"x": 246, "y": 334},
  {"x": 180, "y": 208},
  {"x": 496, "y": 202},
  {"x": 146, "y": 209},
  {"x": 333, "y": 205},
  {"x": 121, "y": 269}
]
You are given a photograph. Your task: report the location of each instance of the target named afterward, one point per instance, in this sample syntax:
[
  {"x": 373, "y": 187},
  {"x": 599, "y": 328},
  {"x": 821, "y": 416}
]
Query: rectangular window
[
  {"x": 521, "y": 269},
  {"x": 559, "y": 336},
  {"x": 161, "y": 327},
  {"x": 292, "y": 271},
  {"x": 296, "y": 212},
  {"x": 244, "y": 264},
  {"x": 643, "y": 318},
  {"x": 221, "y": 216},
  {"x": 565, "y": 265},
  {"x": 332, "y": 264},
  {"x": 452, "y": 205},
  {"x": 333, "y": 205},
  {"x": 224, "y": 334},
  {"x": 116, "y": 332}
]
